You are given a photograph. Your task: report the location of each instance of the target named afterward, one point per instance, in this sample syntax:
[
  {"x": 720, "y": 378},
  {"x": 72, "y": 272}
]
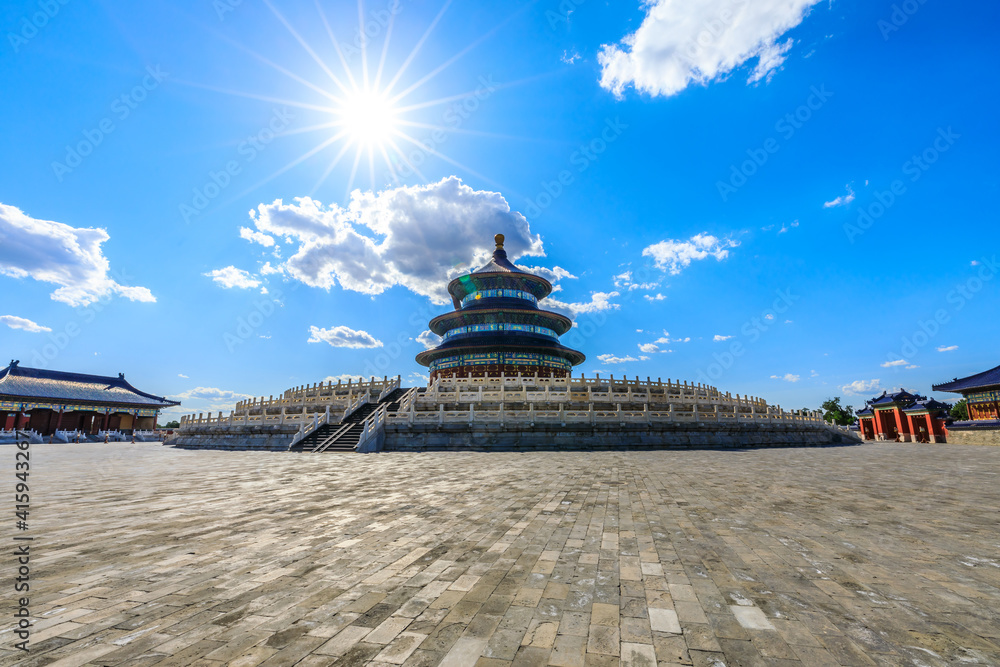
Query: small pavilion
[
  {"x": 47, "y": 401},
  {"x": 902, "y": 416}
]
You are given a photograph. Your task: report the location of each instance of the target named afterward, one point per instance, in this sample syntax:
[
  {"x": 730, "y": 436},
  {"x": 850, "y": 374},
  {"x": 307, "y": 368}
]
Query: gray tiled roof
[{"x": 17, "y": 382}]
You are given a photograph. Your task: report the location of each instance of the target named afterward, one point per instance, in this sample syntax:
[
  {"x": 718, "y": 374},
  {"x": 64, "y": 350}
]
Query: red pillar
[
  {"x": 930, "y": 428},
  {"x": 877, "y": 421},
  {"x": 899, "y": 424},
  {"x": 913, "y": 431}
]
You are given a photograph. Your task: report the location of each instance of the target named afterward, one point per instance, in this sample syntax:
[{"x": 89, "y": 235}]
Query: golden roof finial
[{"x": 499, "y": 239}]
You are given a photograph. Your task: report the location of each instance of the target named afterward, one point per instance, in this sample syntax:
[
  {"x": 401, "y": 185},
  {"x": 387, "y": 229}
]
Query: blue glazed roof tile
[{"x": 17, "y": 383}]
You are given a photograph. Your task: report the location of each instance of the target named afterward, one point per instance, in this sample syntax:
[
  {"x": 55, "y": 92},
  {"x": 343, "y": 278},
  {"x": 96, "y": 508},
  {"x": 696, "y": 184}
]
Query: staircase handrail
[
  {"x": 305, "y": 431},
  {"x": 390, "y": 387},
  {"x": 373, "y": 424},
  {"x": 361, "y": 400}
]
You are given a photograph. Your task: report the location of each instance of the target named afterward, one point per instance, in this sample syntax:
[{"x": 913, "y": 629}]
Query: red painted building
[
  {"x": 904, "y": 417},
  {"x": 46, "y": 401}
]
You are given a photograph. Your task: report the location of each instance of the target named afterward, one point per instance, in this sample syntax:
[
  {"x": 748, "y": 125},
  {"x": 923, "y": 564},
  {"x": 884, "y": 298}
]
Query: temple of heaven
[{"x": 497, "y": 328}]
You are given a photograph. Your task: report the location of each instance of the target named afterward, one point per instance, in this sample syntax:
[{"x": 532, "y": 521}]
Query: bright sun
[{"x": 368, "y": 118}]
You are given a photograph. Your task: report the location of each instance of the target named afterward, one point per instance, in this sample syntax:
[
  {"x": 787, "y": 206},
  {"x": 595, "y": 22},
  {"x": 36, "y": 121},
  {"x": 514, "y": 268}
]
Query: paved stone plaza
[{"x": 874, "y": 554}]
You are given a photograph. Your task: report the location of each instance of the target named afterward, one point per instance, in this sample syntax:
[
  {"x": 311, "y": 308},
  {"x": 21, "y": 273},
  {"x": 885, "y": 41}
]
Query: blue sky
[{"x": 791, "y": 199}]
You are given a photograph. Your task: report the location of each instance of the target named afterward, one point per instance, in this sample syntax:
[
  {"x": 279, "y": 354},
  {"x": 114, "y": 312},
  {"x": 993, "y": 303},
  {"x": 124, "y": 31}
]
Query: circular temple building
[{"x": 497, "y": 327}]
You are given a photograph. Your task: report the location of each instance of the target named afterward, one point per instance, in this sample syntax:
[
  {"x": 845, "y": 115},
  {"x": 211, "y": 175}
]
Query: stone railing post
[
  {"x": 562, "y": 414},
  {"x": 440, "y": 414}
]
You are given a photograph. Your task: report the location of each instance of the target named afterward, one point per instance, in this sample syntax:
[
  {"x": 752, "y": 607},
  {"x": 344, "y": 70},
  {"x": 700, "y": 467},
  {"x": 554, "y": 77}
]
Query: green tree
[
  {"x": 837, "y": 413},
  {"x": 173, "y": 424},
  {"x": 960, "y": 411}
]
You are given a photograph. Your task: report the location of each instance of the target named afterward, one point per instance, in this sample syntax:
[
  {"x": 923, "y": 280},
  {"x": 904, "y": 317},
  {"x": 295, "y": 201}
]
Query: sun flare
[{"x": 368, "y": 118}]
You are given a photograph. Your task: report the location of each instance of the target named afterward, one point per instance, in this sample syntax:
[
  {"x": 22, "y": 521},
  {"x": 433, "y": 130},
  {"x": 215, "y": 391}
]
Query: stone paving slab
[{"x": 883, "y": 554}]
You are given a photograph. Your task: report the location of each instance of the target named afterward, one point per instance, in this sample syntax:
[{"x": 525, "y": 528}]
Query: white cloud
[
  {"x": 790, "y": 225},
  {"x": 769, "y": 316},
  {"x": 911, "y": 366},
  {"x": 949, "y": 348},
  {"x": 897, "y": 362},
  {"x": 666, "y": 339},
  {"x": 813, "y": 374},
  {"x": 181, "y": 375},
  {"x": 684, "y": 43},
  {"x": 717, "y": 338},
  {"x": 15, "y": 322},
  {"x": 54, "y": 252},
  {"x": 649, "y": 347},
  {"x": 643, "y": 358},
  {"x": 345, "y": 377},
  {"x": 429, "y": 339},
  {"x": 842, "y": 200},
  {"x": 787, "y": 377},
  {"x": 256, "y": 237},
  {"x": 230, "y": 277},
  {"x": 651, "y": 298},
  {"x": 568, "y": 58},
  {"x": 205, "y": 399},
  {"x": 598, "y": 301},
  {"x": 423, "y": 377},
  {"x": 674, "y": 255},
  {"x": 859, "y": 387},
  {"x": 553, "y": 275},
  {"x": 974, "y": 263},
  {"x": 343, "y": 337},
  {"x": 612, "y": 359},
  {"x": 267, "y": 269},
  {"x": 419, "y": 237}
]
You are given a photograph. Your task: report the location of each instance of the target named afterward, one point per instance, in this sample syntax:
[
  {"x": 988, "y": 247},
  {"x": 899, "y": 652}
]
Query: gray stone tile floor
[{"x": 882, "y": 554}]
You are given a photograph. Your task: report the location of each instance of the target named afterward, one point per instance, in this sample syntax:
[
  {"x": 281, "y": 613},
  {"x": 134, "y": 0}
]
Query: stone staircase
[{"x": 344, "y": 437}]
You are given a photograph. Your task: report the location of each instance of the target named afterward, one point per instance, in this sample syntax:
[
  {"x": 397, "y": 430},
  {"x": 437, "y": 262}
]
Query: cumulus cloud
[
  {"x": 665, "y": 339},
  {"x": 345, "y": 377},
  {"x": 947, "y": 348},
  {"x": 684, "y": 43},
  {"x": 897, "y": 362},
  {"x": 553, "y": 275},
  {"x": 56, "y": 253},
  {"x": 651, "y": 298},
  {"x": 256, "y": 237},
  {"x": 181, "y": 375},
  {"x": 787, "y": 377},
  {"x": 624, "y": 281},
  {"x": 343, "y": 337},
  {"x": 15, "y": 322},
  {"x": 204, "y": 399},
  {"x": 673, "y": 255},
  {"x": 842, "y": 200},
  {"x": 419, "y": 237},
  {"x": 230, "y": 277},
  {"x": 612, "y": 359},
  {"x": 429, "y": 339},
  {"x": 859, "y": 387},
  {"x": 598, "y": 301},
  {"x": 649, "y": 347},
  {"x": 717, "y": 338}
]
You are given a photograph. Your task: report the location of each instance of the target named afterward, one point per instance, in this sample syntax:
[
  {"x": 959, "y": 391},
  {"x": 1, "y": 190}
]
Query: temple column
[
  {"x": 899, "y": 423},
  {"x": 913, "y": 430},
  {"x": 930, "y": 428}
]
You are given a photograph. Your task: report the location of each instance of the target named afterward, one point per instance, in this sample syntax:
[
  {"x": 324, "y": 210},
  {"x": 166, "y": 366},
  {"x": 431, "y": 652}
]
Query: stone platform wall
[
  {"x": 272, "y": 438},
  {"x": 586, "y": 437},
  {"x": 974, "y": 436}
]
